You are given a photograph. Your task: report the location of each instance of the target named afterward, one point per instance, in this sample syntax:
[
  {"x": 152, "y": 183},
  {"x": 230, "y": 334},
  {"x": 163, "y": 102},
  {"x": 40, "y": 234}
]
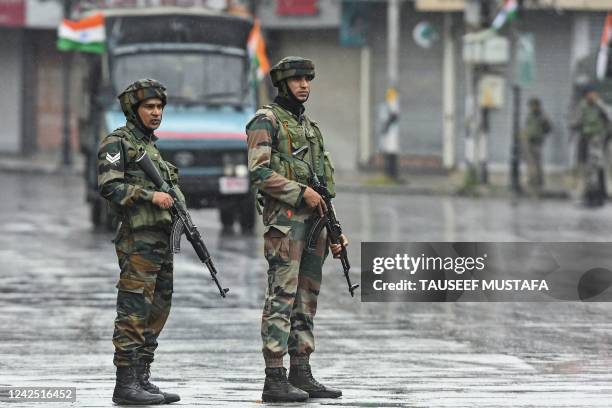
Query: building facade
[{"x": 349, "y": 91}]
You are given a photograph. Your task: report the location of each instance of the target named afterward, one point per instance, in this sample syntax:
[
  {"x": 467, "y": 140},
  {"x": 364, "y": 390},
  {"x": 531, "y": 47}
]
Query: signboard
[
  {"x": 354, "y": 24},
  {"x": 485, "y": 47},
  {"x": 424, "y": 34},
  {"x": 297, "y": 7},
  {"x": 440, "y": 5},
  {"x": 219, "y": 5},
  {"x": 48, "y": 13},
  {"x": 459, "y": 5},
  {"x": 491, "y": 91},
  {"x": 12, "y": 13},
  {"x": 304, "y": 16},
  {"x": 43, "y": 13}
]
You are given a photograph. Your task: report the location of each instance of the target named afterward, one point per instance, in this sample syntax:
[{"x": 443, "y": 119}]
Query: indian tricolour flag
[
  {"x": 85, "y": 35},
  {"x": 506, "y": 14},
  {"x": 257, "y": 52},
  {"x": 604, "y": 48}
]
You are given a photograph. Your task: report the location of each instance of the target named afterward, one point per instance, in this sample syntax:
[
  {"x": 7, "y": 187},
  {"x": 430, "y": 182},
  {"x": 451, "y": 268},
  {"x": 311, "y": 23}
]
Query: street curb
[
  {"x": 393, "y": 190},
  {"x": 12, "y": 166},
  {"x": 491, "y": 192},
  {"x": 28, "y": 167}
]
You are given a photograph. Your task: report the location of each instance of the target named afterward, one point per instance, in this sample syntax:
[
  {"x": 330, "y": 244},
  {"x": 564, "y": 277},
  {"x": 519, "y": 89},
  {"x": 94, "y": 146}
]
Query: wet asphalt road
[{"x": 57, "y": 308}]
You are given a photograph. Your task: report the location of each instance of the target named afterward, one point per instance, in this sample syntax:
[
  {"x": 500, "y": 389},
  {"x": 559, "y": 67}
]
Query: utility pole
[
  {"x": 391, "y": 131},
  {"x": 483, "y": 148},
  {"x": 515, "y": 154},
  {"x": 472, "y": 20},
  {"x": 483, "y": 124},
  {"x": 66, "y": 67}
]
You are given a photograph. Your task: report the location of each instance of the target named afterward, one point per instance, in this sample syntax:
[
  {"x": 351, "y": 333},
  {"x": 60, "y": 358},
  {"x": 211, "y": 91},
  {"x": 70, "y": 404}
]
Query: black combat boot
[
  {"x": 143, "y": 371},
  {"x": 277, "y": 388},
  {"x": 301, "y": 377},
  {"x": 128, "y": 390}
]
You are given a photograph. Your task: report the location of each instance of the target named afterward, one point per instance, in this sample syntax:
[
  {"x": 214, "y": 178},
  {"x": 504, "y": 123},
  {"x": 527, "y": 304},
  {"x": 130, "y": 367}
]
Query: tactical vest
[
  {"x": 536, "y": 128},
  {"x": 298, "y": 149},
  {"x": 593, "y": 124},
  {"x": 144, "y": 214}
]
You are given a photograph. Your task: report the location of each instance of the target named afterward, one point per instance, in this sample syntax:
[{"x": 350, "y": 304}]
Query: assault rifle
[
  {"x": 327, "y": 221},
  {"x": 181, "y": 220}
]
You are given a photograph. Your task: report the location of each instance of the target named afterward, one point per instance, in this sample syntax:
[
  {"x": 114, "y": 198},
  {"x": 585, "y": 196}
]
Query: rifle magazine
[
  {"x": 175, "y": 236},
  {"x": 313, "y": 234}
]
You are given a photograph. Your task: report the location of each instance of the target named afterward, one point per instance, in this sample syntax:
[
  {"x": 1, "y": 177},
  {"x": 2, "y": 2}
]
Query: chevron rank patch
[{"x": 113, "y": 158}]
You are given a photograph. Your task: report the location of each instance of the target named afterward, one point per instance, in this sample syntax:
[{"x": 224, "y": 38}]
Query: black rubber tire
[
  {"x": 226, "y": 215},
  {"x": 247, "y": 214}
]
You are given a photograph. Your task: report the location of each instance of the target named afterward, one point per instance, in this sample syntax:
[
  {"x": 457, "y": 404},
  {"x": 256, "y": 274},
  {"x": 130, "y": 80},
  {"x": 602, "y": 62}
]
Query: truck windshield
[{"x": 190, "y": 78}]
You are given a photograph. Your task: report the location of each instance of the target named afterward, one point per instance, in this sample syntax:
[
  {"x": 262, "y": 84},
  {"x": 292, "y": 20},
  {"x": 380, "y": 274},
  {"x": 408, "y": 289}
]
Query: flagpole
[
  {"x": 515, "y": 152},
  {"x": 66, "y": 68},
  {"x": 392, "y": 136}
]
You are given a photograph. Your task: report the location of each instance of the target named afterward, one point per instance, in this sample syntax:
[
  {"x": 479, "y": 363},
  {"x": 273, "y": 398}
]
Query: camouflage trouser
[
  {"x": 145, "y": 293},
  {"x": 593, "y": 173},
  {"x": 535, "y": 176},
  {"x": 294, "y": 279}
]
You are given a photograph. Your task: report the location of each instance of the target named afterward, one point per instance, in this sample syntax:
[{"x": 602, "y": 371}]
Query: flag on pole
[
  {"x": 604, "y": 48},
  {"x": 257, "y": 52},
  {"x": 86, "y": 35},
  {"x": 506, "y": 14}
]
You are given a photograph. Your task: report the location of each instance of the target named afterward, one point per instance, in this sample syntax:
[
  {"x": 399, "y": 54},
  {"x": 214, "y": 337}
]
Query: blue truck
[{"x": 201, "y": 56}]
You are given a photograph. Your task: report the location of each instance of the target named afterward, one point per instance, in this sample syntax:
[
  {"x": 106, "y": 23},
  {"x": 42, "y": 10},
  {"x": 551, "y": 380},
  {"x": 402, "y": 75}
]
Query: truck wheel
[
  {"x": 226, "y": 214},
  {"x": 247, "y": 214}
]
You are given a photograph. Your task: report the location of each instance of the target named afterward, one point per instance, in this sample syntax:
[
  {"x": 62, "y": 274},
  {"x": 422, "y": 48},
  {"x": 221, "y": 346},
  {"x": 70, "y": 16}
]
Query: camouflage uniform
[
  {"x": 537, "y": 127},
  {"x": 591, "y": 123},
  {"x": 294, "y": 274},
  {"x": 142, "y": 242}
]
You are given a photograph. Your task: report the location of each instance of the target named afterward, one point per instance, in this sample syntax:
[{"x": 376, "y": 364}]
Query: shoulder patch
[{"x": 263, "y": 115}]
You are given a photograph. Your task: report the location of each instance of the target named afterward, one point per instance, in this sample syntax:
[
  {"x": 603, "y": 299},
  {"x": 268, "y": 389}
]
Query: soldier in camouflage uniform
[
  {"x": 284, "y": 148},
  {"x": 591, "y": 123},
  {"x": 537, "y": 126},
  {"x": 142, "y": 241}
]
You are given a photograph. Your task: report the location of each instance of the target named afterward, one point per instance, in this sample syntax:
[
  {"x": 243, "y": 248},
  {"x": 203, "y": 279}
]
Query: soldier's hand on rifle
[
  {"x": 314, "y": 200},
  {"x": 337, "y": 248},
  {"x": 162, "y": 200}
]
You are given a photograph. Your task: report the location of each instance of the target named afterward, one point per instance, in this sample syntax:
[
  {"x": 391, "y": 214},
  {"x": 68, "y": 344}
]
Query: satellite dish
[{"x": 424, "y": 34}]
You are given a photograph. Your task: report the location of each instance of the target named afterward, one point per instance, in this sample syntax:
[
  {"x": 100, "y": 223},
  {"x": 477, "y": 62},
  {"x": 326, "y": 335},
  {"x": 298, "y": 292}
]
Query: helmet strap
[
  {"x": 283, "y": 89},
  {"x": 138, "y": 122}
]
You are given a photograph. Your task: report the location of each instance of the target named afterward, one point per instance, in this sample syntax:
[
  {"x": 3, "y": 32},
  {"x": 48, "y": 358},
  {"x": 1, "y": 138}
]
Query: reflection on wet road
[{"x": 57, "y": 307}]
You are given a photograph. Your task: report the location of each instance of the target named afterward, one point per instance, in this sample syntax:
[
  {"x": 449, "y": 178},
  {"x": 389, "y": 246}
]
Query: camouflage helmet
[
  {"x": 139, "y": 91},
  {"x": 291, "y": 67}
]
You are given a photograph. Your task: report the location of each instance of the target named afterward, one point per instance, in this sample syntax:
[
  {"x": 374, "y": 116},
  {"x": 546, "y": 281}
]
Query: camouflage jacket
[
  {"x": 537, "y": 127},
  {"x": 279, "y": 146},
  {"x": 591, "y": 120},
  {"x": 125, "y": 186}
]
